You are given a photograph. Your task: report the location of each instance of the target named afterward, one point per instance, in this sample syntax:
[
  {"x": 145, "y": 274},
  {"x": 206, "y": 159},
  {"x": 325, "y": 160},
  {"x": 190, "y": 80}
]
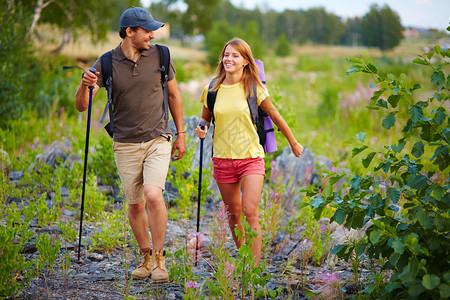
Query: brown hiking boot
[
  {"x": 143, "y": 270},
  {"x": 158, "y": 266}
]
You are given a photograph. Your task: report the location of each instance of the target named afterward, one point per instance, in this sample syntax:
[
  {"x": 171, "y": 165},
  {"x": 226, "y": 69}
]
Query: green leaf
[
  {"x": 437, "y": 49},
  {"x": 381, "y": 103},
  {"x": 391, "y": 76},
  {"x": 418, "y": 182},
  {"x": 366, "y": 161},
  {"x": 439, "y": 116},
  {"x": 336, "y": 178},
  {"x": 389, "y": 121},
  {"x": 356, "y": 151},
  {"x": 339, "y": 216},
  {"x": 361, "y": 136},
  {"x": 355, "y": 182},
  {"x": 408, "y": 127},
  {"x": 424, "y": 219},
  {"x": 398, "y": 148},
  {"x": 355, "y": 60},
  {"x": 372, "y": 68},
  {"x": 393, "y": 100},
  {"x": 420, "y": 61},
  {"x": 317, "y": 201},
  {"x": 377, "y": 94},
  {"x": 393, "y": 194},
  {"x": 353, "y": 70},
  {"x": 374, "y": 236},
  {"x": 444, "y": 290},
  {"x": 398, "y": 246},
  {"x": 338, "y": 249},
  {"x": 430, "y": 281},
  {"x": 418, "y": 149},
  {"x": 415, "y": 290},
  {"x": 415, "y": 112},
  {"x": 438, "y": 78}
]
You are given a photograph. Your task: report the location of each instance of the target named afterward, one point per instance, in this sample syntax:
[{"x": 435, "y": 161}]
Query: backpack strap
[
  {"x": 253, "y": 105},
  {"x": 164, "y": 55},
  {"x": 211, "y": 99},
  {"x": 106, "y": 63}
]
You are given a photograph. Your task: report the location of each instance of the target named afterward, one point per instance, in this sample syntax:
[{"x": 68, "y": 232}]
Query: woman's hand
[
  {"x": 201, "y": 133},
  {"x": 297, "y": 149}
]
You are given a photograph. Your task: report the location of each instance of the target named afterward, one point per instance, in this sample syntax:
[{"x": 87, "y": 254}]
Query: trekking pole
[
  {"x": 86, "y": 151},
  {"x": 202, "y": 126}
]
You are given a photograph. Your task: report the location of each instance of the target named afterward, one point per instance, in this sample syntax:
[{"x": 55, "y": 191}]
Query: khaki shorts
[{"x": 142, "y": 163}]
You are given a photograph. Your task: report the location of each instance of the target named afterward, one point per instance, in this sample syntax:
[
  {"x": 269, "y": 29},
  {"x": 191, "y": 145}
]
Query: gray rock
[
  {"x": 55, "y": 153},
  {"x": 16, "y": 175}
]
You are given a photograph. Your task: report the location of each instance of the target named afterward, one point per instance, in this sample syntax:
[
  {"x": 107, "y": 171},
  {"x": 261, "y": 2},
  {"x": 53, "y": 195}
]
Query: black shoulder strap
[
  {"x": 253, "y": 105},
  {"x": 211, "y": 99},
  {"x": 164, "y": 55},
  {"x": 106, "y": 64}
]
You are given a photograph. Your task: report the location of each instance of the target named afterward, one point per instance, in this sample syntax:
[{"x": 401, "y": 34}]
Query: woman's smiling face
[{"x": 232, "y": 60}]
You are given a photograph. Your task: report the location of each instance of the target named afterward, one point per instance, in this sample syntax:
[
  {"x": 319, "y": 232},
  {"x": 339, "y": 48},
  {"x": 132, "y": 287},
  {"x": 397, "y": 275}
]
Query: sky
[{"x": 416, "y": 13}]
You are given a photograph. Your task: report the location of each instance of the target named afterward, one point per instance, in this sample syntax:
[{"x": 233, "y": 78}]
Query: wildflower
[
  {"x": 329, "y": 277},
  {"x": 229, "y": 268},
  {"x": 333, "y": 169},
  {"x": 192, "y": 284}
]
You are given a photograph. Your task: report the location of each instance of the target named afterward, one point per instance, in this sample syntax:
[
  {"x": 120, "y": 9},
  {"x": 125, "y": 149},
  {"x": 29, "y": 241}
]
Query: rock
[
  {"x": 300, "y": 170},
  {"x": 55, "y": 153},
  {"x": 16, "y": 175},
  {"x": 29, "y": 248},
  {"x": 95, "y": 257}
]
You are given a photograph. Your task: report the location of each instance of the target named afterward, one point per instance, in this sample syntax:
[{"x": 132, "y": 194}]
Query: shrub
[{"x": 406, "y": 197}]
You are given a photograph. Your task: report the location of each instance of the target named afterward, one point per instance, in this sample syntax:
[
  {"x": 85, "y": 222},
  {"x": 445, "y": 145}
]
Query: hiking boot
[
  {"x": 158, "y": 266},
  {"x": 143, "y": 270}
]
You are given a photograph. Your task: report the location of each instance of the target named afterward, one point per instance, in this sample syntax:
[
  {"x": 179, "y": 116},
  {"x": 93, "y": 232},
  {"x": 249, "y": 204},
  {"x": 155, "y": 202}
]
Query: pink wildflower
[
  {"x": 329, "y": 277},
  {"x": 192, "y": 284}
]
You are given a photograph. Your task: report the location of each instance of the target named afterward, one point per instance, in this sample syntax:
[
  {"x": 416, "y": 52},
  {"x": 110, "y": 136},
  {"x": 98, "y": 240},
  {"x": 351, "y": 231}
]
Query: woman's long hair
[{"x": 250, "y": 75}]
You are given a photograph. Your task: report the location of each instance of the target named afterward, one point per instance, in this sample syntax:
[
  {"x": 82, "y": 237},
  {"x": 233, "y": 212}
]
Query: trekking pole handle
[
  {"x": 202, "y": 125},
  {"x": 93, "y": 71}
]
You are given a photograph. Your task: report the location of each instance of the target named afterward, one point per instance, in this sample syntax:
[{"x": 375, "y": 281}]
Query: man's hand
[{"x": 179, "y": 146}]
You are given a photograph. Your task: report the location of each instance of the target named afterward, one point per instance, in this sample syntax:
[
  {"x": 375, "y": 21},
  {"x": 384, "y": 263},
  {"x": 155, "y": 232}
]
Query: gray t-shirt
[{"x": 137, "y": 96}]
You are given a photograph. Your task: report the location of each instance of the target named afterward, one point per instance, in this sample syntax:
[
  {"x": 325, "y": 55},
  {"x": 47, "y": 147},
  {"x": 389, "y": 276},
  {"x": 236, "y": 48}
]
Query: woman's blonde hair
[{"x": 250, "y": 75}]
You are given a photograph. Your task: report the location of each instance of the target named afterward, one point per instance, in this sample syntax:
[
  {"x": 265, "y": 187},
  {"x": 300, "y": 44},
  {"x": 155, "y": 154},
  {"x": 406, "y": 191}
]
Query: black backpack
[
  {"x": 106, "y": 63},
  {"x": 256, "y": 112}
]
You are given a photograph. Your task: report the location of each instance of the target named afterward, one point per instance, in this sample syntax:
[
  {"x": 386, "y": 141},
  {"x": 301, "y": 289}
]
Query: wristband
[{"x": 180, "y": 132}]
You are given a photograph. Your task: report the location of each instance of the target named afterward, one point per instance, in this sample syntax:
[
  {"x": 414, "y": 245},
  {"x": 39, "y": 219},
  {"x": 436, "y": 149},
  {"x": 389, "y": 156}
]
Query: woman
[{"x": 238, "y": 164}]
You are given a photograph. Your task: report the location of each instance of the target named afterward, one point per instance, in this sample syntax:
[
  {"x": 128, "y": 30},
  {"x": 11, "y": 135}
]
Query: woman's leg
[
  {"x": 251, "y": 193},
  {"x": 231, "y": 196}
]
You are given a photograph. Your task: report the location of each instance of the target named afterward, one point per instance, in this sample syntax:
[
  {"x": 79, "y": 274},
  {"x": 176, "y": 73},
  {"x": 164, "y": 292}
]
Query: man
[{"x": 142, "y": 137}]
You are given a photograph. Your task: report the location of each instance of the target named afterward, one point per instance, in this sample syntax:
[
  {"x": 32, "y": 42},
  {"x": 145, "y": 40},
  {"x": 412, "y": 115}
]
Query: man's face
[{"x": 141, "y": 38}]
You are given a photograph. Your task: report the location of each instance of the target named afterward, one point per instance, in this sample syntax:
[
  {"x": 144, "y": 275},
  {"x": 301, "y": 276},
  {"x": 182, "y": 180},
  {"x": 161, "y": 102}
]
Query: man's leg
[
  {"x": 139, "y": 224},
  {"x": 157, "y": 215}
]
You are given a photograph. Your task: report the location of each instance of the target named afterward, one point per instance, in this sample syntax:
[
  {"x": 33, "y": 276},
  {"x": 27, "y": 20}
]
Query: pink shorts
[{"x": 227, "y": 170}]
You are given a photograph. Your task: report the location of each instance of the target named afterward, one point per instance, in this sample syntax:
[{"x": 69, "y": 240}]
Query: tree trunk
[
  {"x": 65, "y": 40},
  {"x": 40, "y": 5}
]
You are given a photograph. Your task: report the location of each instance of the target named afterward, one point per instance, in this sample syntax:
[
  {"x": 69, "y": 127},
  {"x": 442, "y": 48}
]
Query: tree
[
  {"x": 71, "y": 15},
  {"x": 381, "y": 28},
  {"x": 324, "y": 28},
  {"x": 282, "y": 46}
]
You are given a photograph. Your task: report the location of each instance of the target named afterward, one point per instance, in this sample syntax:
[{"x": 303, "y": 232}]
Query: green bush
[
  {"x": 406, "y": 197},
  {"x": 282, "y": 47}
]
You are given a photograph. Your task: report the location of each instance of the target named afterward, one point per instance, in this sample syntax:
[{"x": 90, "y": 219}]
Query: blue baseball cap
[{"x": 138, "y": 16}]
